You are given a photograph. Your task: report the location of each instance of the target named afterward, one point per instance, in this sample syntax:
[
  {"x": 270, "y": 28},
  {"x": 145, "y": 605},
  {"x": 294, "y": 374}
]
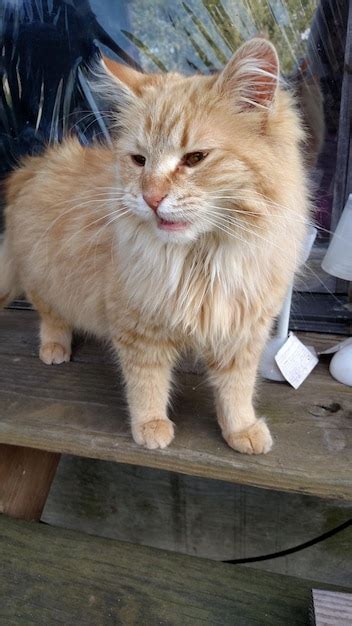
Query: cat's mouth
[{"x": 171, "y": 226}]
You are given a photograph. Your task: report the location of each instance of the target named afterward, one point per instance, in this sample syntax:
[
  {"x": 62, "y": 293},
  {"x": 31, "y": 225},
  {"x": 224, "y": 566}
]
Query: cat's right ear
[
  {"x": 113, "y": 85},
  {"x": 131, "y": 78}
]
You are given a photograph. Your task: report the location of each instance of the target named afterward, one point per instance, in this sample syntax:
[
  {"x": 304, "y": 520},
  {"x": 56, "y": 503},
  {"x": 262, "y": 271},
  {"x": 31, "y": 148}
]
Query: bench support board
[{"x": 25, "y": 479}]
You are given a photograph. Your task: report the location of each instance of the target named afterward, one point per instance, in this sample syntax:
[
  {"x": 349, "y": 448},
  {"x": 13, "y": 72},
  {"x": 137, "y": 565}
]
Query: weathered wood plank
[
  {"x": 25, "y": 479},
  {"x": 19, "y": 333},
  {"x": 53, "y": 576},
  {"x": 332, "y": 608},
  {"x": 78, "y": 408},
  {"x": 205, "y": 518}
]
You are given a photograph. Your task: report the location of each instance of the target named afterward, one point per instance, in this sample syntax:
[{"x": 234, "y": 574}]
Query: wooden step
[
  {"x": 79, "y": 408},
  {"x": 53, "y": 576}
]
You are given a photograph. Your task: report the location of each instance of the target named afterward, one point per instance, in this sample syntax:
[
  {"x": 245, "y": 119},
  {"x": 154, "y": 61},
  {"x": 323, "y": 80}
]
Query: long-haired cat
[{"x": 185, "y": 233}]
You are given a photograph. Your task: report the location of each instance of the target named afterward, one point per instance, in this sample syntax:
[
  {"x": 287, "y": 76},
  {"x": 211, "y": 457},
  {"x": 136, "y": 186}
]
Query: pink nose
[{"x": 153, "y": 200}]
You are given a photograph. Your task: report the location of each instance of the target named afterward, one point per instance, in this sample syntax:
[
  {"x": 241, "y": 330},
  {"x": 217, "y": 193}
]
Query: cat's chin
[{"x": 183, "y": 234}]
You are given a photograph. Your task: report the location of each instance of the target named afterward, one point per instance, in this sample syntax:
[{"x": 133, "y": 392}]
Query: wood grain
[
  {"x": 79, "y": 408},
  {"x": 52, "y": 576},
  {"x": 332, "y": 608},
  {"x": 25, "y": 479},
  {"x": 201, "y": 517}
]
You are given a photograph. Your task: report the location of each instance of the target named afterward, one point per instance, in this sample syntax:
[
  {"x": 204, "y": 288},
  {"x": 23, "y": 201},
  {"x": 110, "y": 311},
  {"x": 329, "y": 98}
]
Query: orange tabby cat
[{"x": 184, "y": 233}]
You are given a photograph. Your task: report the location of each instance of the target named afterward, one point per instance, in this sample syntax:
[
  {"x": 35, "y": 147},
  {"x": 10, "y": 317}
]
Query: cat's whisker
[
  {"x": 231, "y": 219},
  {"x": 86, "y": 113},
  {"x": 96, "y": 236},
  {"x": 250, "y": 244},
  {"x": 98, "y": 198},
  {"x": 102, "y": 217},
  {"x": 305, "y": 265},
  {"x": 112, "y": 221},
  {"x": 66, "y": 213},
  {"x": 239, "y": 211},
  {"x": 267, "y": 202},
  {"x": 226, "y": 230},
  {"x": 252, "y": 232},
  {"x": 103, "y": 228},
  {"x": 322, "y": 283},
  {"x": 252, "y": 194},
  {"x": 90, "y": 224},
  {"x": 246, "y": 194},
  {"x": 279, "y": 214},
  {"x": 88, "y": 193},
  {"x": 246, "y": 230},
  {"x": 219, "y": 209}
]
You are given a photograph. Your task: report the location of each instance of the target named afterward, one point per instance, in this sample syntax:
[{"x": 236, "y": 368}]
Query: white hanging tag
[
  {"x": 337, "y": 346},
  {"x": 295, "y": 360}
]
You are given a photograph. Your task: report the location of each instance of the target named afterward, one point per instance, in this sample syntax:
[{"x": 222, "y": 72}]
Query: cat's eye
[
  {"x": 193, "y": 158},
  {"x": 138, "y": 159}
]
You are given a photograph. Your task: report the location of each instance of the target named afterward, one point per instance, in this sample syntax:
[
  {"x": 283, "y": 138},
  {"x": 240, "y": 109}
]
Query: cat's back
[
  {"x": 62, "y": 171},
  {"x": 57, "y": 216},
  {"x": 54, "y": 196}
]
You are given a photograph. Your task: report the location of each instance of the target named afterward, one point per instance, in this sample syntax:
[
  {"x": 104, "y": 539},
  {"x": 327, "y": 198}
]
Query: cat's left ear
[{"x": 251, "y": 77}]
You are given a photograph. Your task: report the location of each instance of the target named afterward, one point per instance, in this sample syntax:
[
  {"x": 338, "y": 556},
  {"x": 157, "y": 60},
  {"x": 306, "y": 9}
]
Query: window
[{"x": 43, "y": 93}]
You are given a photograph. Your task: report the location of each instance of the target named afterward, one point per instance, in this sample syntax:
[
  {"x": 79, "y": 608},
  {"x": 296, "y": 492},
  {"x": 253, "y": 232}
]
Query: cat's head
[{"x": 193, "y": 153}]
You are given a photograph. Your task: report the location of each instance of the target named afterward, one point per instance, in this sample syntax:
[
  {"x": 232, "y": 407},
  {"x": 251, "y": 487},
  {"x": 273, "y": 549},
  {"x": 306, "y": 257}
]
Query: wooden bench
[
  {"x": 51, "y": 576},
  {"x": 79, "y": 409}
]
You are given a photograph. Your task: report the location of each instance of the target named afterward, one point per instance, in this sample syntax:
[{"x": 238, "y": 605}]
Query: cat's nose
[{"x": 153, "y": 200}]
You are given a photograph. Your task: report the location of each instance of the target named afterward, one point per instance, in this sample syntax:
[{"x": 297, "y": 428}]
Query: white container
[
  {"x": 268, "y": 367},
  {"x": 338, "y": 262},
  {"x": 341, "y": 365},
  {"x": 338, "y": 259}
]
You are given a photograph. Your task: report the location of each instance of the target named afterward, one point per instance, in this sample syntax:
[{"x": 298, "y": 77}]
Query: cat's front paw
[
  {"x": 254, "y": 440},
  {"x": 54, "y": 353},
  {"x": 154, "y": 434}
]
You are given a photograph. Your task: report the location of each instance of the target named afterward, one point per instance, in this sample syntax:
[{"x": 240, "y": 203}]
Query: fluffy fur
[{"x": 84, "y": 244}]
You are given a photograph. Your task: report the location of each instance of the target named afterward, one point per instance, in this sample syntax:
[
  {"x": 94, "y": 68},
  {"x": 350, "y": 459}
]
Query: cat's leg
[
  {"x": 55, "y": 334},
  {"x": 147, "y": 371},
  {"x": 234, "y": 384},
  {"x": 55, "y": 340}
]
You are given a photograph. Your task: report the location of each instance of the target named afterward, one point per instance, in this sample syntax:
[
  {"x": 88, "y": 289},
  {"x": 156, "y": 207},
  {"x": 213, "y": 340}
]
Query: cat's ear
[
  {"x": 251, "y": 77},
  {"x": 114, "y": 87},
  {"x": 129, "y": 77}
]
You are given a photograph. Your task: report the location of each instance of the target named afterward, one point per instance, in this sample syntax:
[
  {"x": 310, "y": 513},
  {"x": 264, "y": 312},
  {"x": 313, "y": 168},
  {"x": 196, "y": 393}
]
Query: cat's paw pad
[
  {"x": 154, "y": 434},
  {"x": 254, "y": 440},
  {"x": 54, "y": 353}
]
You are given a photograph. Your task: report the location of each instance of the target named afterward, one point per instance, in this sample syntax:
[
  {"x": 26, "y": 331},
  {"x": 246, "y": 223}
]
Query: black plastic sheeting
[{"x": 43, "y": 91}]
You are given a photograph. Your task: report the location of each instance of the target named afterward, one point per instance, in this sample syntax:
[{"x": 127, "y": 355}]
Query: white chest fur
[{"x": 200, "y": 289}]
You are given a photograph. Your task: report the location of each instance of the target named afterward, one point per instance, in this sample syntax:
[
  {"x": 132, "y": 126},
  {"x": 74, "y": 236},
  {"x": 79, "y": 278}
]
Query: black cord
[{"x": 301, "y": 546}]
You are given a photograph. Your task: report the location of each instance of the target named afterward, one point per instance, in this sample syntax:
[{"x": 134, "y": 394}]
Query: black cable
[{"x": 301, "y": 546}]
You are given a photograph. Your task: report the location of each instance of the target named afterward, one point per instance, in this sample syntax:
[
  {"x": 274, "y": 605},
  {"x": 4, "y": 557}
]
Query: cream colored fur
[{"x": 91, "y": 254}]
